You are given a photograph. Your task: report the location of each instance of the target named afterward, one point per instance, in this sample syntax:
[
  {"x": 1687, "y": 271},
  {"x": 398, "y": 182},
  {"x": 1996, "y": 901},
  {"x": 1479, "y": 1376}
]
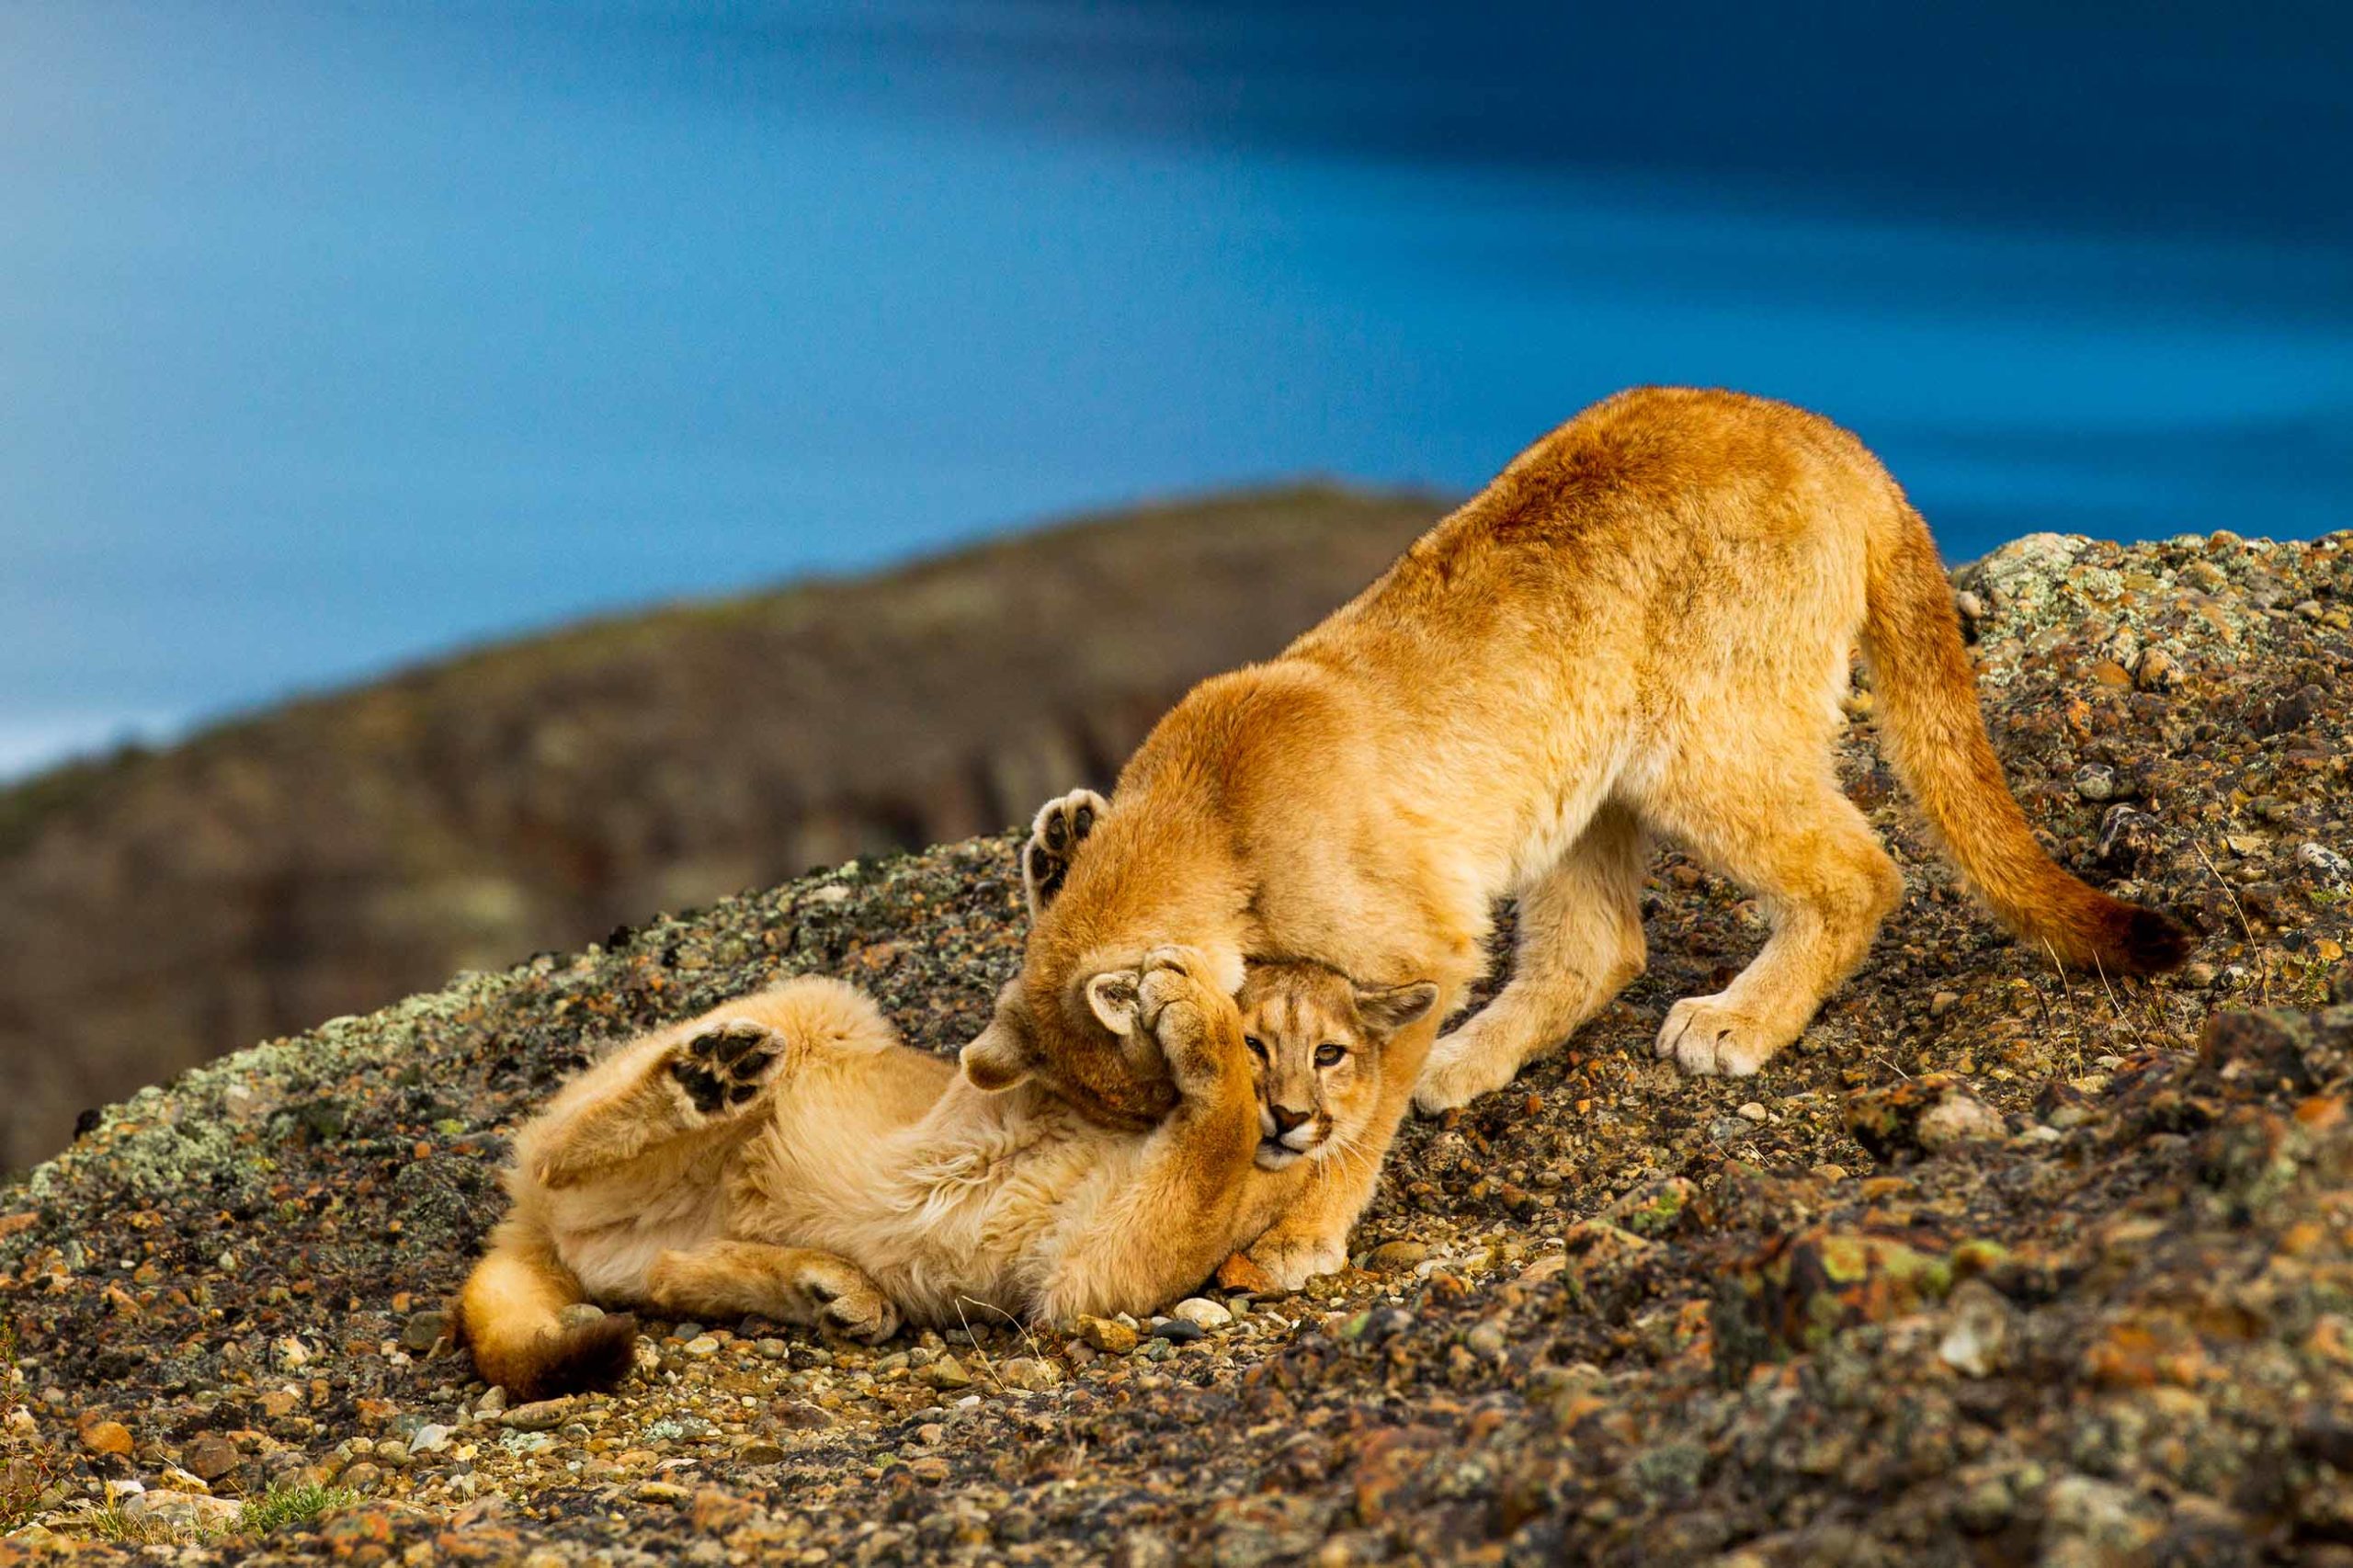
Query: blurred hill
[{"x": 330, "y": 856}]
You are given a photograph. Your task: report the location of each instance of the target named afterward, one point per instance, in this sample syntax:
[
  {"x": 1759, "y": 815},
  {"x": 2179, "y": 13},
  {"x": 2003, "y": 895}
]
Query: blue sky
[{"x": 334, "y": 336}]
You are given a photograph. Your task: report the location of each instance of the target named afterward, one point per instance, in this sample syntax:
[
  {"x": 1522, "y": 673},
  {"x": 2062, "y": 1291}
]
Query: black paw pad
[
  {"x": 723, "y": 1065},
  {"x": 1046, "y": 870},
  {"x": 703, "y": 1087},
  {"x": 1066, "y": 830},
  {"x": 729, "y": 1044}
]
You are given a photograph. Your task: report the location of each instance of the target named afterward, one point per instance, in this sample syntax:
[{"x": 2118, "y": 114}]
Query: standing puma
[{"x": 1642, "y": 624}]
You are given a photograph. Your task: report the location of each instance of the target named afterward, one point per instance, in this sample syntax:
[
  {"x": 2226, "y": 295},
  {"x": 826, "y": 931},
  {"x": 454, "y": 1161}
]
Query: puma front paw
[
  {"x": 1061, "y": 826},
  {"x": 721, "y": 1068},
  {"x": 1462, "y": 1066},
  {"x": 1290, "y": 1261},
  {"x": 1197, "y": 1026}
]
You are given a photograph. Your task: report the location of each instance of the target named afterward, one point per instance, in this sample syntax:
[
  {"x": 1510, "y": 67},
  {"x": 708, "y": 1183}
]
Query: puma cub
[
  {"x": 1319, "y": 1044},
  {"x": 785, "y": 1154},
  {"x": 1642, "y": 625}
]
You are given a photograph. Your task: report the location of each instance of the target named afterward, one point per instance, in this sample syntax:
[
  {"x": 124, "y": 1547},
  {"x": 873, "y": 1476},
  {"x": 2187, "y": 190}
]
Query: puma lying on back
[
  {"x": 1643, "y": 625},
  {"x": 784, "y": 1154}
]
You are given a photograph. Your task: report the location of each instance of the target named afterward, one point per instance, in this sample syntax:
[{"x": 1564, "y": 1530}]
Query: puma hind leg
[
  {"x": 796, "y": 1285},
  {"x": 1782, "y": 829},
  {"x": 651, "y": 1096}
]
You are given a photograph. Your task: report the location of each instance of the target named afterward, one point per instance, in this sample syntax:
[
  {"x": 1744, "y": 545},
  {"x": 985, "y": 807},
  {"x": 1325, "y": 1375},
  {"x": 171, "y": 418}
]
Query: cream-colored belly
[{"x": 960, "y": 1217}]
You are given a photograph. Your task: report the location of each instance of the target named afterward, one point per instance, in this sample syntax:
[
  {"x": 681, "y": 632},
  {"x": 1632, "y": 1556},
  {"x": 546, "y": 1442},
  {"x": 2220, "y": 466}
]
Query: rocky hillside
[
  {"x": 337, "y": 855},
  {"x": 1996, "y": 1264}
]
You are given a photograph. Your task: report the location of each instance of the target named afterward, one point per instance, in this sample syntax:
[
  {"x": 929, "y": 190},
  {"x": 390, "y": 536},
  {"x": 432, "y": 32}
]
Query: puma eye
[
  {"x": 1329, "y": 1055},
  {"x": 1257, "y": 1047}
]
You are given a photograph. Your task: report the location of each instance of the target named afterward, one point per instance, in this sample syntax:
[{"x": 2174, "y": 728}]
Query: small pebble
[
  {"x": 1028, "y": 1372},
  {"x": 181, "y": 1511},
  {"x": 1960, "y": 1119},
  {"x": 423, "y": 1331},
  {"x": 1201, "y": 1312},
  {"x": 1107, "y": 1335},
  {"x": 211, "y": 1456},
  {"x": 1392, "y": 1258},
  {"x": 543, "y": 1415},
  {"x": 103, "y": 1437},
  {"x": 2095, "y": 781},
  {"x": 947, "y": 1373}
]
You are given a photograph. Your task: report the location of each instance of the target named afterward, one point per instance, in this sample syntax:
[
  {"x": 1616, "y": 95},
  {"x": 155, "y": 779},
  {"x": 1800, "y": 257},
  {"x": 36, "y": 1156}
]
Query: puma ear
[
  {"x": 1113, "y": 998},
  {"x": 1391, "y": 1007},
  {"x": 996, "y": 1060}
]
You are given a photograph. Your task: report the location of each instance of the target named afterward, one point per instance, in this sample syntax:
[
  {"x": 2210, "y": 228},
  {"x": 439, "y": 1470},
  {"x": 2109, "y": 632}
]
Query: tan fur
[
  {"x": 785, "y": 1154},
  {"x": 1327, "y": 1109},
  {"x": 1317, "y": 1042},
  {"x": 1643, "y": 624},
  {"x": 1307, "y": 1112}
]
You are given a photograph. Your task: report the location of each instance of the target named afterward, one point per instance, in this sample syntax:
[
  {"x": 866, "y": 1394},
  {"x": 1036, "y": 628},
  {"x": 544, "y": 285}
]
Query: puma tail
[
  {"x": 1926, "y": 693},
  {"x": 511, "y": 1315}
]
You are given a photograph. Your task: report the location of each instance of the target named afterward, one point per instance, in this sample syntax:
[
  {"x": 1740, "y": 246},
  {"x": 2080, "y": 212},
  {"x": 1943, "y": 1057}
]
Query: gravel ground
[{"x": 1994, "y": 1265}]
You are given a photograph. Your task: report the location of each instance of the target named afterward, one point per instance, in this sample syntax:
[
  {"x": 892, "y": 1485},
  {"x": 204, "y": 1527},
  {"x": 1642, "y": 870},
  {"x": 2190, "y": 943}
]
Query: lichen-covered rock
[
  {"x": 1801, "y": 1289},
  {"x": 2280, "y": 1048},
  {"x": 1647, "y": 1319},
  {"x": 1919, "y": 1116}
]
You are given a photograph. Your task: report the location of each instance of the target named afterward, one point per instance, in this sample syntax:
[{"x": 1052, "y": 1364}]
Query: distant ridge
[{"x": 157, "y": 908}]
